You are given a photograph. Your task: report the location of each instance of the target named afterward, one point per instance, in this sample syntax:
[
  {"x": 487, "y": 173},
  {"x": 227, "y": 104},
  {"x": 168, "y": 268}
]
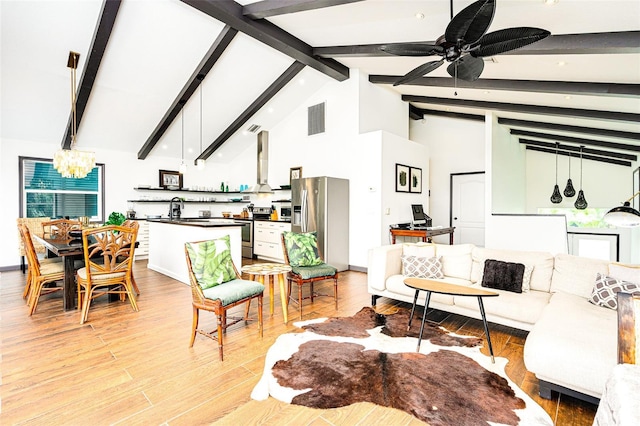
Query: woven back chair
[
  {"x": 108, "y": 257},
  {"x": 61, "y": 227},
  {"x": 35, "y": 228},
  {"x": 38, "y": 275},
  {"x": 136, "y": 226},
  {"x": 219, "y": 299},
  {"x": 302, "y": 275},
  {"x": 628, "y": 325}
]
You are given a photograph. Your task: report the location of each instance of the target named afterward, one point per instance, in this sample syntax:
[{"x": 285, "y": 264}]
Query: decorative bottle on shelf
[
  {"x": 226, "y": 187},
  {"x": 221, "y": 186}
]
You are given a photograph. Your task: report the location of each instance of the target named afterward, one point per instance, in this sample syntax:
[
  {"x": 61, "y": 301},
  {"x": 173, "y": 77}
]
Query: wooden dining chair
[
  {"x": 108, "y": 258},
  {"x": 216, "y": 287},
  {"x": 38, "y": 274},
  {"x": 61, "y": 227},
  {"x": 628, "y": 325},
  {"x": 35, "y": 227},
  {"x": 307, "y": 267},
  {"x": 136, "y": 226}
]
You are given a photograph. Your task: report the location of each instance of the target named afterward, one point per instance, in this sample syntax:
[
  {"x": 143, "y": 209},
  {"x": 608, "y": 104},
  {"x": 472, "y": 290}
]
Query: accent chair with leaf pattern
[
  {"x": 307, "y": 267},
  {"x": 216, "y": 286}
]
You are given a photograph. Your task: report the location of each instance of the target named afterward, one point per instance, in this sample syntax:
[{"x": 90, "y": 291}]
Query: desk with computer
[{"x": 419, "y": 227}]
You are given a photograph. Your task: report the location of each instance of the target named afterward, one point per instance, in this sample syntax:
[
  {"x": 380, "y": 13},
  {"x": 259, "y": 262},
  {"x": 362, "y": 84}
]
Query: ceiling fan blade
[
  {"x": 469, "y": 68},
  {"x": 470, "y": 23},
  {"x": 508, "y": 39},
  {"x": 419, "y": 72},
  {"x": 412, "y": 49}
]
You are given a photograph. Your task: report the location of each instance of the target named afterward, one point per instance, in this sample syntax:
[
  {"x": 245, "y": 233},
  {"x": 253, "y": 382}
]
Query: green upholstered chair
[
  {"x": 307, "y": 267},
  {"x": 216, "y": 286}
]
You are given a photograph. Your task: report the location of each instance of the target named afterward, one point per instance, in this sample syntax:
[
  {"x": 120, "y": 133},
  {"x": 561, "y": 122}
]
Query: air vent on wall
[
  {"x": 315, "y": 123},
  {"x": 253, "y": 128}
]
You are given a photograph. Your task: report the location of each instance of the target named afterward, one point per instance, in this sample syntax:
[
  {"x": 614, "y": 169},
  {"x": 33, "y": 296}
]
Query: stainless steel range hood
[{"x": 263, "y": 164}]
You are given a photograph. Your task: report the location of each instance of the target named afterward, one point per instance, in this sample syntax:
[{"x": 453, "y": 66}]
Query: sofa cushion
[
  {"x": 427, "y": 250},
  {"x": 524, "y": 307},
  {"x": 540, "y": 262},
  {"x": 573, "y": 344},
  {"x": 503, "y": 275},
  {"x": 630, "y": 273},
  {"x": 421, "y": 267},
  {"x": 575, "y": 274},
  {"x": 605, "y": 289},
  {"x": 456, "y": 260}
]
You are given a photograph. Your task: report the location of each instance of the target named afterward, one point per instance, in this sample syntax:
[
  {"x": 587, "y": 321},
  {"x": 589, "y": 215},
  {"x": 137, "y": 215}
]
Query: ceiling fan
[{"x": 464, "y": 43}]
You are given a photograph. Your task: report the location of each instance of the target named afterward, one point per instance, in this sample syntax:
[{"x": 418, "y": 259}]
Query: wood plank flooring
[{"x": 135, "y": 368}]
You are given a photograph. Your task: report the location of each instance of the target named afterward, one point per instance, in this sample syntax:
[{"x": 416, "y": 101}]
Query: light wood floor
[{"x": 133, "y": 368}]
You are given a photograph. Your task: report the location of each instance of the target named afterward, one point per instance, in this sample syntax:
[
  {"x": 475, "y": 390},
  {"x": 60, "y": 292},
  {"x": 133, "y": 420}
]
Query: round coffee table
[
  {"x": 430, "y": 286},
  {"x": 261, "y": 270}
]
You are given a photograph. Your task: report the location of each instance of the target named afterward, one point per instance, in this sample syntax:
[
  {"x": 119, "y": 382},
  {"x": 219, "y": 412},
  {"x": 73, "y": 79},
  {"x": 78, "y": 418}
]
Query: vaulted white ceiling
[{"x": 156, "y": 46}]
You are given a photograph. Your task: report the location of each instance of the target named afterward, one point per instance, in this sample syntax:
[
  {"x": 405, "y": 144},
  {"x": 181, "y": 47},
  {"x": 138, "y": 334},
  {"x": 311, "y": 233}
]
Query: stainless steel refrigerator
[{"x": 321, "y": 204}]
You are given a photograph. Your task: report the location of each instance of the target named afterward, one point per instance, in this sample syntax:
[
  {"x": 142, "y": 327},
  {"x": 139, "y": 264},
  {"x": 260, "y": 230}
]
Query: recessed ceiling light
[
  {"x": 190, "y": 150},
  {"x": 486, "y": 92},
  {"x": 301, "y": 82},
  {"x": 219, "y": 154},
  {"x": 562, "y": 63},
  {"x": 567, "y": 97},
  {"x": 270, "y": 110},
  {"x": 550, "y": 2},
  {"x": 419, "y": 15},
  {"x": 165, "y": 146}
]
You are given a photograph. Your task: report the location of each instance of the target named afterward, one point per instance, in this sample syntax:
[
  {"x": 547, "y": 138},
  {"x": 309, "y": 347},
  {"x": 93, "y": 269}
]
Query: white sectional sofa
[{"x": 572, "y": 344}]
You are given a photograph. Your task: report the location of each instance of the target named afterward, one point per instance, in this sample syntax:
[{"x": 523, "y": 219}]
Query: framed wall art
[
  {"x": 415, "y": 180},
  {"x": 170, "y": 179},
  {"x": 402, "y": 178}
]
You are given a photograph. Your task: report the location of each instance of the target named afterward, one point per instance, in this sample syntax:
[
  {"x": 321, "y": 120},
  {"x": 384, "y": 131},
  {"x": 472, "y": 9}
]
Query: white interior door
[{"x": 467, "y": 208}]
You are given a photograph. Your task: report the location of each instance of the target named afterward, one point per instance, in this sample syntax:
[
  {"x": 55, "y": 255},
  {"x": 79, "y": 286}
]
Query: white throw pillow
[
  {"x": 427, "y": 250},
  {"x": 629, "y": 273},
  {"x": 456, "y": 260}
]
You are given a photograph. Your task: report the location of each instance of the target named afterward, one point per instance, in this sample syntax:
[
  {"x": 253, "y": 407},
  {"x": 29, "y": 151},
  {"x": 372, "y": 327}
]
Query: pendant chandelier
[
  {"x": 581, "y": 202},
  {"x": 71, "y": 163},
  {"x": 200, "y": 163},
  {"x": 569, "y": 190},
  {"x": 556, "y": 197}
]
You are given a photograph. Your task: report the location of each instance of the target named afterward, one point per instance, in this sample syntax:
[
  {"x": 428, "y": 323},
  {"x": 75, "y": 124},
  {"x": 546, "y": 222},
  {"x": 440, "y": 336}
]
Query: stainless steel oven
[{"x": 247, "y": 237}]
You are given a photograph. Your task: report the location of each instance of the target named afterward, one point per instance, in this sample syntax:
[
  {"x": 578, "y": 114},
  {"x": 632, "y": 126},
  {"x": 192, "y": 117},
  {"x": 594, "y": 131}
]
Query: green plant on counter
[{"x": 115, "y": 218}]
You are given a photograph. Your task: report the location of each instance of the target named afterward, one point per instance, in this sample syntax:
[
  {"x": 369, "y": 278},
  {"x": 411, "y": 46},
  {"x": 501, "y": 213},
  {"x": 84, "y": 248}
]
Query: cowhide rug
[{"x": 371, "y": 357}]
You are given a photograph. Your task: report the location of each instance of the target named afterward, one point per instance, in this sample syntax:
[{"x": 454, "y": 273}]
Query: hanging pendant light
[
  {"x": 581, "y": 202},
  {"x": 569, "y": 190},
  {"x": 71, "y": 163},
  {"x": 183, "y": 165},
  {"x": 200, "y": 163},
  {"x": 556, "y": 197}
]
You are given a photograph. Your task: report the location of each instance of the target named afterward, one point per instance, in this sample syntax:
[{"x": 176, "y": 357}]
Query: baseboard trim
[{"x": 357, "y": 268}]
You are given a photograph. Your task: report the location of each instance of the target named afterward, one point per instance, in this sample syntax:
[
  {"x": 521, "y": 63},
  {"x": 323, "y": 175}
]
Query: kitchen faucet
[{"x": 176, "y": 199}]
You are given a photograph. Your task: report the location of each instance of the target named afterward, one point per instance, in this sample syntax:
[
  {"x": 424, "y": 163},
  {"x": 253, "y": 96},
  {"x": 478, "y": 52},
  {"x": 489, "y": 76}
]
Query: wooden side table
[
  {"x": 271, "y": 270},
  {"x": 425, "y": 234}
]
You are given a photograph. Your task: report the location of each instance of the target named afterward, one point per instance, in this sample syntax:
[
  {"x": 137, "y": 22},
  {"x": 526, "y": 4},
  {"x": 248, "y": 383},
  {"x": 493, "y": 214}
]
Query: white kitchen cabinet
[
  {"x": 266, "y": 239},
  {"x": 142, "y": 251}
]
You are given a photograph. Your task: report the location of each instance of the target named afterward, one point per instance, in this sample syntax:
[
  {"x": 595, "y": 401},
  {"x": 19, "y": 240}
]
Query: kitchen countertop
[{"x": 201, "y": 220}]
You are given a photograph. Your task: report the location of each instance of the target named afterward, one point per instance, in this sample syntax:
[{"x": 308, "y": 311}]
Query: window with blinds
[{"x": 45, "y": 193}]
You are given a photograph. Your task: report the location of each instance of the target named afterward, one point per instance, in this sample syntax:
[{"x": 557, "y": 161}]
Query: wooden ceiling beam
[
  {"x": 267, "y": 8},
  {"x": 564, "y": 87},
  {"x": 206, "y": 64},
  {"x": 579, "y": 141},
  {"x": 572, "y": 154},
  {"x": 527, "y": 109},
  {"x": 96, "y": 52},
  {"x": 273, "y": 36},
  {"x": 513, "y": 122},
  {"x": 576, "y": 149},
  {"x": 451, "y": 114},
  {"x": 608, "y": 43},
  {"x": 255, "y": 106}
]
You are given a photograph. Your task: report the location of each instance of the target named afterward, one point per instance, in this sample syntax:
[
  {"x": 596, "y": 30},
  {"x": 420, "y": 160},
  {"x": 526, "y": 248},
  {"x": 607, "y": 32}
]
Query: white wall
[
  {"x": 453, "y": 146},
  {"x": 508, "y": 170}
]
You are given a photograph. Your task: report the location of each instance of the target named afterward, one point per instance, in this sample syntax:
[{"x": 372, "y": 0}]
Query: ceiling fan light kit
[{"x": 465, "y": 43}]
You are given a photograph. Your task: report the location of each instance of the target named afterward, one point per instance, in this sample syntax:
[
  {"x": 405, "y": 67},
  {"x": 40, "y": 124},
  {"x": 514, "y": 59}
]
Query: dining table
[{"x": 70, "y": 249}]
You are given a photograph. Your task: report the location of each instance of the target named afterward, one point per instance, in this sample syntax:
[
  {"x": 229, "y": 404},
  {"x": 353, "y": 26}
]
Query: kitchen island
[{"x": 167, "y": 238}]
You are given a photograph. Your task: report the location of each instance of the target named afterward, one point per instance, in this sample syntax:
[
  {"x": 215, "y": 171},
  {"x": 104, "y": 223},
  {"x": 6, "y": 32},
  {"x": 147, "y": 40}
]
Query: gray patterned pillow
[
  {"x": 604, "y": 292},
  {"x": 421, "y": 267}
]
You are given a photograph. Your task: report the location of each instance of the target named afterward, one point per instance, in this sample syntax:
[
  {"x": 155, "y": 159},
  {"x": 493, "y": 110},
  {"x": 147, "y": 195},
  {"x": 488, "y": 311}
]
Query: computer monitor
[{"x": 419, "y": 217}]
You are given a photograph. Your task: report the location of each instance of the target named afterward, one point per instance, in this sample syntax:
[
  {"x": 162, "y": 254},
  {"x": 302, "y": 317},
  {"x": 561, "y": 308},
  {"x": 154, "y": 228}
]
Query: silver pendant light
[
  {"x": 581, "y": 202},
  {"x": 556, "y": 197}
]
